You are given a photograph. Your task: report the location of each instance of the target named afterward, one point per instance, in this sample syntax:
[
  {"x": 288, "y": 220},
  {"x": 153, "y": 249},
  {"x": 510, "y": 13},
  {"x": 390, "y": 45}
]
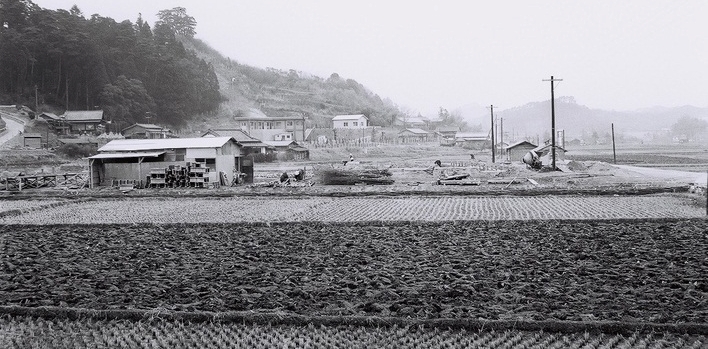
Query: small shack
[
  {"x": 516, "y": 151},
  {"x": 201, "y": 161},
  {"x": 32, "y": 140}
]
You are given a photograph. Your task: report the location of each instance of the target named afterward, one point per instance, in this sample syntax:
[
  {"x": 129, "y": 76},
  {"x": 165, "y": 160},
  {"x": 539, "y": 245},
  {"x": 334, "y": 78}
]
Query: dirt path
[
  {"x": 13, "y": 129},
  {"x": 672, "y": 176}
]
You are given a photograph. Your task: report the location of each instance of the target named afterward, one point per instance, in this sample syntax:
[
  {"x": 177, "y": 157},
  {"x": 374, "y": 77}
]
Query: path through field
[{"x": 350, "y": 209}]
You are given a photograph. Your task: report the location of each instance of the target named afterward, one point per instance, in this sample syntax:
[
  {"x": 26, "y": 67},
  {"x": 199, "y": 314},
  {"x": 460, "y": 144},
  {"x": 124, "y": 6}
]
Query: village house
[
  {"x": 472, "y": 140},
  {"x": 266, "y": 128},
  {"x": 289, "y": 150},
  {"x": 146, "y": 131},
  {"x": 76, "y": 122},
  {"x": 447, "y": 132},
  {"x": 413, "y": 135},
  {"x": 350, "y": 121},
  {"x": 517, "y": 150},
  {"x": 204, "y": 160},
  {"x": 411, "y": 122}
]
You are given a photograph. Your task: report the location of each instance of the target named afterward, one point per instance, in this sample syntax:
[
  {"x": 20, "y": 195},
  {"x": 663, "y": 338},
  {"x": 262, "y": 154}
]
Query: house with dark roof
[{"x": 81, "y": 122}]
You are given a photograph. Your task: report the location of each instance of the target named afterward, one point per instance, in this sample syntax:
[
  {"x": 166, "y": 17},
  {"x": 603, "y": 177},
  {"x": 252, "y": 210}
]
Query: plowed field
[
  {"x": 347, "y": 209},
  {"x": 627, "y": 270}
]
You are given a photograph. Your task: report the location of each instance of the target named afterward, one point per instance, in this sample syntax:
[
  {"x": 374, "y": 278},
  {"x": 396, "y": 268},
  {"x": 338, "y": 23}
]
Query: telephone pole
[
  {"x": 553, "y": 123},
  {"x": 491, "y": 107}
]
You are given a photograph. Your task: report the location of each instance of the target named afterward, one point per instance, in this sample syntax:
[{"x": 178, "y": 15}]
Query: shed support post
[
  {"x": 90, "y": 174},
  {"x": 140, "y": 172}
]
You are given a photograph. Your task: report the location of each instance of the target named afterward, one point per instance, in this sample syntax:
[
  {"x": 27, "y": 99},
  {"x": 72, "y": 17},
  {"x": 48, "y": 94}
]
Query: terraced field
[{"x": 348, "y": 209}]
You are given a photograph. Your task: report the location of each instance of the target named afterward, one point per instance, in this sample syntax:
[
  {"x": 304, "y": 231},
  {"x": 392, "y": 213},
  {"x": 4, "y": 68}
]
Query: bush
[
  {"x": 76, "y": 150},
  {"x": 260, "y": 157}
]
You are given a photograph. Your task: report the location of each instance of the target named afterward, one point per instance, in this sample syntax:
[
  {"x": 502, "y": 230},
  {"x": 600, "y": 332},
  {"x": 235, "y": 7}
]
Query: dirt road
[
  {"x": 671, "y": 176},
  {"x": 13, "y": 129}
]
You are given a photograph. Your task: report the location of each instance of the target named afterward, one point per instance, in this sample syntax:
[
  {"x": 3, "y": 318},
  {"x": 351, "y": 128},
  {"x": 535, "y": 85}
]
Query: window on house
[
  {"x": 260, "y": 125},
  {"x": 278, "y": 124},
  {"x": 269, "y": 125},
  {"x": 355, "y": 123},
  {"x": 346, "y": 124},
  {"x": 253, "y": 124},
  {"x": 289, "y": 123}
]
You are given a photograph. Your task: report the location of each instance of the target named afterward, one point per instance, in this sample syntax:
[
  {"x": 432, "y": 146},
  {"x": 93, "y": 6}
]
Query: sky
[{"x": 423, "y": 55}]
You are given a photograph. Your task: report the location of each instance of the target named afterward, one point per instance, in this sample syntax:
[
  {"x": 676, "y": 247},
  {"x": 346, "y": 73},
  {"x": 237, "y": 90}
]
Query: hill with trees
[{"x": 62, "y": 60}]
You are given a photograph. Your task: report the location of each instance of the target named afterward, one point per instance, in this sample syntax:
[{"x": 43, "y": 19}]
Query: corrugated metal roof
[
  {"x": 83, "y": 115},
  {"x": 166, "y": 143},
  {"x": 32, "y": 135},
  {"x": 127, "y": 155},
  {"x": 349, "y": 117}
]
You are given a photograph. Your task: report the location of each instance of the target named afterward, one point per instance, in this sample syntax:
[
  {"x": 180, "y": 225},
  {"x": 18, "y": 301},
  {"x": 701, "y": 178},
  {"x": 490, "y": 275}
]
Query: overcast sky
[{"x": 611, "y": 54}]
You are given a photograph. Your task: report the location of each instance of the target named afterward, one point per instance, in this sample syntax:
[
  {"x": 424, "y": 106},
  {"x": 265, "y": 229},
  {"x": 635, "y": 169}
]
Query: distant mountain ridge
[{"x": 534, "y": 118}]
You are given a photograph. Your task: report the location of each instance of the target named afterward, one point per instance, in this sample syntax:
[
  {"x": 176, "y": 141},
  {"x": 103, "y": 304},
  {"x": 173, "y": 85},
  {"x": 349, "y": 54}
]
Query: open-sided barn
[{"x": 138, "y": 159}]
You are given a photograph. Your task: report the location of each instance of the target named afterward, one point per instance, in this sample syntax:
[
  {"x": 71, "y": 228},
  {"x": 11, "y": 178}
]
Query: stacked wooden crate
[
  {"x": 158, "y": 177},
  {"x": 198, "y": 175}
]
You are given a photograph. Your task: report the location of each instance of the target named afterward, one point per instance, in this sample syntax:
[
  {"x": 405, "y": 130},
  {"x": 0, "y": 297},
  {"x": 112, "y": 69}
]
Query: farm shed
[
  {"x": 516, "y": 151},
  {"x": 413, "y": 135},
  {"x": 135, "y": 159},
  {"x": 32, "y": 140}
]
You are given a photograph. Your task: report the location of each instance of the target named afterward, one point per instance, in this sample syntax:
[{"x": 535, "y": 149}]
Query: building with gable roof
[
  {"x": 350, "y": 121},
  {"x": 134, "y": 159}
]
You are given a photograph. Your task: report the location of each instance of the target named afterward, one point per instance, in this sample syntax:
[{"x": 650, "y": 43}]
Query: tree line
[{"x": 133, "y": 72}]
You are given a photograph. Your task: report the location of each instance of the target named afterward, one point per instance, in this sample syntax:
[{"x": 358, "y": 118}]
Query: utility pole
[
  {"x": 501, "y": 136},
  {"x": 553, "y": 123},
  {"x": 491, "y": 107},
  {"x": 614, "y": 153}
]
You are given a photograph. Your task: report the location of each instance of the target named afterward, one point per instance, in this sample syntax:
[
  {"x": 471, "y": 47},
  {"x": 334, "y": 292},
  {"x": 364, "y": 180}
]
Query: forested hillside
[
  {"x": 133, "y": 72},
  {"x": 59, "y": 60}
]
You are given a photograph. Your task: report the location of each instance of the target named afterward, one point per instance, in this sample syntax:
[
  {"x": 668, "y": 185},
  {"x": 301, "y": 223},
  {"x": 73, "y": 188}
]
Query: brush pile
[{"x": 335, "y": 176}]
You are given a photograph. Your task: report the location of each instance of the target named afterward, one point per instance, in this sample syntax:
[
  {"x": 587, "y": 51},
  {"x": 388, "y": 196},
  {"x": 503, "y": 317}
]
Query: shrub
[{"x": 76, "y": 150}]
